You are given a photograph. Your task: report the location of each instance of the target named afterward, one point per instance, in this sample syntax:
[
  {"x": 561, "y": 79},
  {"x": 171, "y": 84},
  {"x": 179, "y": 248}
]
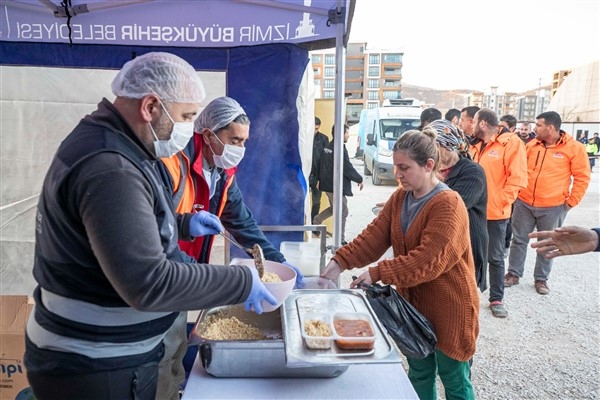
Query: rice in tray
[{"x": 230, "y": 328}]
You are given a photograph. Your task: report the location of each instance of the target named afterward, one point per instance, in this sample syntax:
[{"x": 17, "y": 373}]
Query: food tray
[
  {"x": 319, "y": 342},
  {"x": 331, "y": 302}
]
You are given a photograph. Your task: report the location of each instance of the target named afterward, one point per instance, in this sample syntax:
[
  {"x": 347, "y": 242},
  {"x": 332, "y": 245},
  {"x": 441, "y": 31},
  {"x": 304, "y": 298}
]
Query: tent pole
[{"x": 338, "y": 155}]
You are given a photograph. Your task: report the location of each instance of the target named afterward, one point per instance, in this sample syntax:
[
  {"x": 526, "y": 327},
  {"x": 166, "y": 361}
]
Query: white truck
[{"x": 379, "y": 131}]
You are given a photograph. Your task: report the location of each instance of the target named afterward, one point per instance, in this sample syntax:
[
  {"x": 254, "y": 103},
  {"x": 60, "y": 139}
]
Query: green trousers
[{"x": 453, "y": 373}]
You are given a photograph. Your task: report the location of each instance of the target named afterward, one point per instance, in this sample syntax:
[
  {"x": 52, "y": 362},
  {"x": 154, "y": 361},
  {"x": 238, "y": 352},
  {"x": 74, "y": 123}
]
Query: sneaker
[
  {"x": 498, "y": 309},
  {"x": 316, "y": 234},
  {"x": 510, "y": 280},
  {"x": 541, "y": 287}
]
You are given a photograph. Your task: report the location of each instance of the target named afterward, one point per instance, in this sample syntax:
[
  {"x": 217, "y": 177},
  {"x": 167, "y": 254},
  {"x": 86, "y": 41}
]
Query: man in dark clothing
[
  {"x": 320, "y": 141},
  {"x": 325, "y": 183},
  {"x": 429, "y": 115},
  {"x": 111, "y": 277}
]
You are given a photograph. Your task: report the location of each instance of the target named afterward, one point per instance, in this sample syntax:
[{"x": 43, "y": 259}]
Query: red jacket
[{"x": 549, "y": 173}]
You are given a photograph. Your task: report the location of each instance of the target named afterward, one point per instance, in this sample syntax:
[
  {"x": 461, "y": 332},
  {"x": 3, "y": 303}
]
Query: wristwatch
[{"x": 597, "y": 230}]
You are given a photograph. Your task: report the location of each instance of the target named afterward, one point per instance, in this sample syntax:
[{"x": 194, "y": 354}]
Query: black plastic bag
[{"x": 411, "y": 331}]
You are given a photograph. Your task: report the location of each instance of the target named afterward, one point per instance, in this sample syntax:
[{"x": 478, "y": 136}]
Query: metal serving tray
[
  {"x": 256, "y": 358},
  {"x": 331, "y": 301}
]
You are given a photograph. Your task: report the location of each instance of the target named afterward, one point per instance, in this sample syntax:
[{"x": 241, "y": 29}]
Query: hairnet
[
  {"x": 218, "y": 114},
  {"x": 449, "y": 137},
  {"x": 166, "y": 75}
]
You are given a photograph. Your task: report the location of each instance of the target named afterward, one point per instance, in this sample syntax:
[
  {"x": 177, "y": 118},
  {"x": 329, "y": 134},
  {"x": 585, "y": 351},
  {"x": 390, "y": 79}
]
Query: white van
[{"x": 379, "y": 131}]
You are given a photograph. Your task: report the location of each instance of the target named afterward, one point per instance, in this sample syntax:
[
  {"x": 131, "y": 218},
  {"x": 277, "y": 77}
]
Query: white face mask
[
  {"x": 231, "y": 157},
  {"x": 181, "y": 133}
]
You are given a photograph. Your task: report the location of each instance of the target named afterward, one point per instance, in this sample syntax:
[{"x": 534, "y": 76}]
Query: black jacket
[
  {"x": 320, "y": 141},
  {"x": 468, "y": 179},
  {"x": 325, "y": 172}
]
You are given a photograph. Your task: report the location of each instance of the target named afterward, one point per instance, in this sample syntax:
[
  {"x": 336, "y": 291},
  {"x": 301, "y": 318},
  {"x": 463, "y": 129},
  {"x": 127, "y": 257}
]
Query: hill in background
[{"x": 443, "y": 100}]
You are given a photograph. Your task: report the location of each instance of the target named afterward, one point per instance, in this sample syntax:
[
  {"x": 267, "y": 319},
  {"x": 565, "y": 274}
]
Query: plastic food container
[
  {"x": 353, "y": 331},
  {"x": 348, "y": 330},
  {"x": 312, "y": 321}
]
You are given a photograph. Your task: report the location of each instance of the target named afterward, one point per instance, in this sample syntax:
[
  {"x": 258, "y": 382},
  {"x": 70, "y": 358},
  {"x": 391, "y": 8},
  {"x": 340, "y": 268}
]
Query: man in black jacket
[
  {"x": 325, "y": 184},
  {"x": 320, "y": 141}
]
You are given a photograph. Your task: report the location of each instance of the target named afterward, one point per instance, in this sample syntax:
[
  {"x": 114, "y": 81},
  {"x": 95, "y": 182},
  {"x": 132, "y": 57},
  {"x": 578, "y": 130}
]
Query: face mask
[
  {"x": 181, "y": 133},
  {"x": 231, "y": 157}
]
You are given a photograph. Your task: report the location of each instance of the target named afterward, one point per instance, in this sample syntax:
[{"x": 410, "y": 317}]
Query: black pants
[
  {"x": 137, "y": 383},
  {"x": 316, "y": 203}
]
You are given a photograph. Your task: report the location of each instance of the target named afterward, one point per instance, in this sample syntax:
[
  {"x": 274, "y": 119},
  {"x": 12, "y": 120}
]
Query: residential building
[{"x": 371, "y": 77}]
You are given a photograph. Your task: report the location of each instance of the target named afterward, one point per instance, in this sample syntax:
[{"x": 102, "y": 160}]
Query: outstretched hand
[{"x": 564, "y": 241}]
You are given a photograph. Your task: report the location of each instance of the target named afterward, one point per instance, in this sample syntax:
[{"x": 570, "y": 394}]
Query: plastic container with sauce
[{"x": 353, "y": 331}]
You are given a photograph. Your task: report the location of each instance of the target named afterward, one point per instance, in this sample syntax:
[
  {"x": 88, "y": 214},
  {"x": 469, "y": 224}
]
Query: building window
[
  {"x": 328, "y": 94},
  {"x": 329, "y": 71},
  {"x": 317, "y": 82},
  {"x": 329, "y": 83},
  {"x": 371, "y": 105},
  {"x": 373, "y": 95},
  {"x": 373, "y": 71},
  {"x": 391, "y": 94},
  {"x": 317, "y": 71},
  {"x": 373, "y": 83},
  {"x": 316, "y": 58},
  {"x": 392, "y": 58},
  {"x": 374, "y": 59},
  {"x": 329, "y": 59}
]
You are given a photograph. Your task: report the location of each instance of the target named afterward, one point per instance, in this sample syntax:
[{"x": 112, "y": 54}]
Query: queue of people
[{"x": 108, "y": 319}]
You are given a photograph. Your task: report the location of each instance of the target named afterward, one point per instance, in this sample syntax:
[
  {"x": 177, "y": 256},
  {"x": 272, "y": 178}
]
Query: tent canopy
[{"x": 260, "y": 48}]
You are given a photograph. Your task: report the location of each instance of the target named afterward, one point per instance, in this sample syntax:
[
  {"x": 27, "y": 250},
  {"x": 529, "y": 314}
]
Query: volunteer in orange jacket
[
  {"x": 554, "y": 160},
  {"x": 502, "y": 156}
]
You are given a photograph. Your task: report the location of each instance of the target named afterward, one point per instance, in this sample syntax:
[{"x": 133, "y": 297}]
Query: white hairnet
[
  {"x": 218, "y": 113},
  {"x": 168, "y": 76}
]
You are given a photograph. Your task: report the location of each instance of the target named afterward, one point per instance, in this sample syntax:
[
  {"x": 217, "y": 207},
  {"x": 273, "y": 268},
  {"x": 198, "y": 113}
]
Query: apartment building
[{"x": 371, "y": 76}]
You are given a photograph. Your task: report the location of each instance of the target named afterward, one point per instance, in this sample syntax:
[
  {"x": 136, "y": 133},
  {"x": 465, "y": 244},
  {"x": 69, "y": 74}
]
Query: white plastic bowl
[{"x": 281, "y": 290}]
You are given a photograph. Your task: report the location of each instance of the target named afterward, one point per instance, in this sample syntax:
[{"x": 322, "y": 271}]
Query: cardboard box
[{"x": 14, "y": 312}]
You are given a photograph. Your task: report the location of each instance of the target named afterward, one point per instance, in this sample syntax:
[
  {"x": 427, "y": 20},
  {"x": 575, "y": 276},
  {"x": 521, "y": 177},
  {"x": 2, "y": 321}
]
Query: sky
[{"x": 470, "y": 44}]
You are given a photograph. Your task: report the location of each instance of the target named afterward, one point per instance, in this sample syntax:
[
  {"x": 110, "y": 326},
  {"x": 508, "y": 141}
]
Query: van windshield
[{"x": 392, "y": 128}]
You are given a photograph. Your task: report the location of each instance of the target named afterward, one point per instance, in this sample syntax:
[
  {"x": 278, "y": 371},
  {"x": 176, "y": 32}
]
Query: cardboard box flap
[{"x": 14, "y": 311}]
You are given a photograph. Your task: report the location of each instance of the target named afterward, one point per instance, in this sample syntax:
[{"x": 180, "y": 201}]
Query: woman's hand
[
  {"x": 332, "y": 271},
  {"x": 363, "y": 279}
]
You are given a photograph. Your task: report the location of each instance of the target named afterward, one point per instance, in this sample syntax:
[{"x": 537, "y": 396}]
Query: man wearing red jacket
[{"x": 558, "y": 176}]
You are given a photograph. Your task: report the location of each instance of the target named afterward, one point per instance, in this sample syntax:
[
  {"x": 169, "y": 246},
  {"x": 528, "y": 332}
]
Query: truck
[{"x": 380, "y": 130}]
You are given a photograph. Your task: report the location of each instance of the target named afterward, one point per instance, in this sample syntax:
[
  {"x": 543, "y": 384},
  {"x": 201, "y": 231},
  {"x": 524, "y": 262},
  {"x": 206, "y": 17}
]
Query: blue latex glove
[
  {"x": 258, "y": 293},
  {"x": 299, "y": 277},
  {"x": 204, "y": 223}
]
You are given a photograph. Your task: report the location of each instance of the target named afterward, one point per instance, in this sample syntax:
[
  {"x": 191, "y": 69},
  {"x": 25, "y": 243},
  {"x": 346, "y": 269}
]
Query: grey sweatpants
[{"x": 525, "y": 219}]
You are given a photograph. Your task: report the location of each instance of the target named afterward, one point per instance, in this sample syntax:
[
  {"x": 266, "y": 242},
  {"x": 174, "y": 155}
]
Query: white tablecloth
[{"x": 361, "y": 381}]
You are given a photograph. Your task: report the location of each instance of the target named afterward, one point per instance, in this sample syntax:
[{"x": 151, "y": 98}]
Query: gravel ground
[{"x": 549, "y": 346}]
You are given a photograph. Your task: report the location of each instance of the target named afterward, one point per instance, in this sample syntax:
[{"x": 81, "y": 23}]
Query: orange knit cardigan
[{"x": 432, "y": 266}]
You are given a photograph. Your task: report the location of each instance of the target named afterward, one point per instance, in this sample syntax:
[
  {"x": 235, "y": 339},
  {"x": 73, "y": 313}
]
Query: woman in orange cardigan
[{"x": 427, "y": 226}]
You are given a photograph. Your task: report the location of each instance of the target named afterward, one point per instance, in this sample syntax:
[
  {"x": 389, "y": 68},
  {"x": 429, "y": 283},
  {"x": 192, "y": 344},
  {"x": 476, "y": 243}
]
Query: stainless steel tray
[{"x": 331, "y": 301}]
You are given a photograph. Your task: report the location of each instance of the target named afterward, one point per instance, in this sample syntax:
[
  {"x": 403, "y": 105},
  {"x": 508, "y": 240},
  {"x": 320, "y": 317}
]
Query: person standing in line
[
  {"x": 429, "y": 115},
  {"x": 467, "y": 115},
  {"x": 466, "y": 177},
  {"x": 208, "y": 183},
  {"x": 505, "y": 164},
  {"x": 592, "y": 150},
  {"x": 565, "y": 241},
  {"x": 325, "y": 184},
  {"x": 582, "y": 138},
  {"x": 111, "y": 277},
  {"x": 525, "y": 133},
  {"x": 508, "y": 124},
  {"x": 320, "y": 141},
  {"x": 557, "y": 179},
  {"x": 453, "y": 115},
  {"x": 432, "y": 267}
]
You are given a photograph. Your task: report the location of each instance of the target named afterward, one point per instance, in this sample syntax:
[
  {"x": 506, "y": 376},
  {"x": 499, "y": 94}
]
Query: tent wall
[{"x": 265, "y": 79}]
